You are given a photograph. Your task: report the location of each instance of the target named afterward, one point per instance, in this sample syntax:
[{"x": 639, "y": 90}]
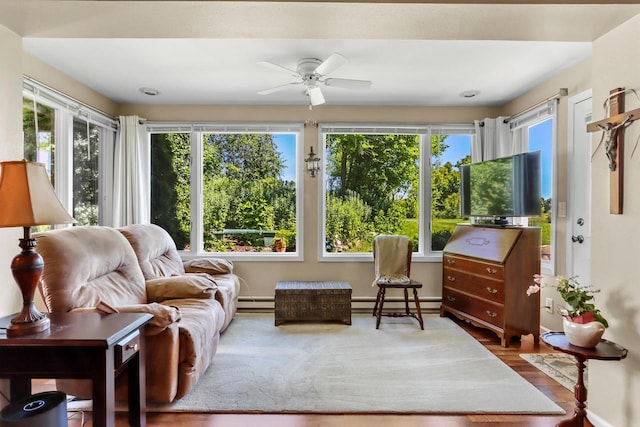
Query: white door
[{"x": 579, "y": 188}]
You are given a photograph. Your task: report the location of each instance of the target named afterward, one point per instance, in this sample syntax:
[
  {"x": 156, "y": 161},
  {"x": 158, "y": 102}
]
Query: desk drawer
[
  {"x": 479, "y": 308},
  {"x": 482, "y": 268},
  {"x": 482, "y": 287},
  {"x": 127, "y": 348}
]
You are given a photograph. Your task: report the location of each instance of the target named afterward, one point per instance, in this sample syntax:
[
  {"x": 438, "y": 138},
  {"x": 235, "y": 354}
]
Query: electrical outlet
[{"x": 548, "y": 305}]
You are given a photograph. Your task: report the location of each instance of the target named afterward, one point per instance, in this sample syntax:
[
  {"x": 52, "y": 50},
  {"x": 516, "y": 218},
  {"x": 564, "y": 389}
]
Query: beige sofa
[{"x": 138, "y": 269}]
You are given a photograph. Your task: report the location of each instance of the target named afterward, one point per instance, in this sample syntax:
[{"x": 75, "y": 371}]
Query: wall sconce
[{"x": 313, "y": 163}]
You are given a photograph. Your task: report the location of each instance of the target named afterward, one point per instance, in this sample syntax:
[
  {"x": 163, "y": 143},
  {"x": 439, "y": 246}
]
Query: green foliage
[
  {"x": 241, "y": 185},
  {"x": 348, "y": 225},
  {"x": 381, "y": 169},
  {"x": 578, "y": 297},
  {"x": 170, "y": 185}
]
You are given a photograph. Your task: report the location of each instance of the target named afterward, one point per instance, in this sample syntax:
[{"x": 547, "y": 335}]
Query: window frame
[
  {"x": 425, "y": 131},
  {"x": 66, "y": 110},
  {"x": 547, "y": 111},
  {"x": 196, "y": 131}
]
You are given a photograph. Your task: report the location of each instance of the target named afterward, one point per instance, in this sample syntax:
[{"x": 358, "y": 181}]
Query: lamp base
[{"x": 19, "y": 329}]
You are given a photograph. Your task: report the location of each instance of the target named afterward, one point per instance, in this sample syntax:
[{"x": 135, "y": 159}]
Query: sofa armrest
[
  {"x": 163, "y": 315},
  {"x": 211, "y": 266}
]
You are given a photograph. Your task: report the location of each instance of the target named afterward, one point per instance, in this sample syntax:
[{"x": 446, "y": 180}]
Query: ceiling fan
[{"x": 311, "y": 73}]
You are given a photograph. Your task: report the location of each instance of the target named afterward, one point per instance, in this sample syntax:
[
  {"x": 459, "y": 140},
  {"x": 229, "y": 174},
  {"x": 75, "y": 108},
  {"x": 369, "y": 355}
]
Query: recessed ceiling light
[
  {"x": 469, "y": 93},
  {"x": 148, "y": 91}
]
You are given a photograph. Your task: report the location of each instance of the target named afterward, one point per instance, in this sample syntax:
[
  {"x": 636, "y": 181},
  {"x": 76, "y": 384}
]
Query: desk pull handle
[
  {"x": 450, "y": 298},
  {"x": 451, "y": 261},
  {"x": 133, "y": 347},
  {"x": 491, "y": 270},
  {"x": 491, "y": 313},
  {"x": 451, "y": 278},
  {"x": 492, "y": 290}
]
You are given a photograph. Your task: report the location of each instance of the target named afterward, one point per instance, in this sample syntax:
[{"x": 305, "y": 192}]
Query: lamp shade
[{"x": 27, "y": 197}]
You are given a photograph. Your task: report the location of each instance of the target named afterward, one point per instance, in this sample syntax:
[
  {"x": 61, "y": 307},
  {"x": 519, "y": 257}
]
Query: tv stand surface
[{"x": 485, "y": 276}]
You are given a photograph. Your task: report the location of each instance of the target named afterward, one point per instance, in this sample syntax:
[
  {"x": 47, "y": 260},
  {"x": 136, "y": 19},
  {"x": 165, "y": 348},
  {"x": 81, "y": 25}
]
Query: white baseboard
[
  {"x": 596, "y": 420},
  {"x": 358, "y": 304}
]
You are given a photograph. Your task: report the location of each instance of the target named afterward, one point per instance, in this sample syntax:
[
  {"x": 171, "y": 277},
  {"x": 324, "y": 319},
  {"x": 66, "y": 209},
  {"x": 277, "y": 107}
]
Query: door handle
[{"x": 579, "y": 238}]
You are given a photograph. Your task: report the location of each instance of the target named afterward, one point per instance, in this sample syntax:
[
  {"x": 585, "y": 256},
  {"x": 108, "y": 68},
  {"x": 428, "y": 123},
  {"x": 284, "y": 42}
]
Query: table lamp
[{"x": 27, "y": 198}]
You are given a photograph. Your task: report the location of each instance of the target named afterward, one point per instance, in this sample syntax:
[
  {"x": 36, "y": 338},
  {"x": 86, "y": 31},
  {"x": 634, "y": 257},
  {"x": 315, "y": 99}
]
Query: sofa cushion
[
  {"x": 208, "y": 265},
  {"x": 88, "y": 264},
  {"x": 199, "y": 334},
  {"x": 228, "y": 291},
  {"x": 155, "y": 249},
  {"x": 191, "y": 286}
]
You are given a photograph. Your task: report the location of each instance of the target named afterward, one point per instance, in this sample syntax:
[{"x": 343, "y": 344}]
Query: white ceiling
[{"x": 200, "y": 52}]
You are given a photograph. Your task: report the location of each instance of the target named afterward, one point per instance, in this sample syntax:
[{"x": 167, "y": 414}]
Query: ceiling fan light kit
[{"x": 311, "y": 73}]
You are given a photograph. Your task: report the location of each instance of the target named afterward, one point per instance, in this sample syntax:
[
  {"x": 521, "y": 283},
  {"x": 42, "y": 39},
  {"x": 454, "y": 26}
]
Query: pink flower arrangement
[{"x": 579, "y": 299}]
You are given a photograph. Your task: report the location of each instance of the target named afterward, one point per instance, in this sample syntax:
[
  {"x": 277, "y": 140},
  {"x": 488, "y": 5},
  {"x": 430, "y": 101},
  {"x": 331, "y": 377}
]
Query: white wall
[
  {"x": 614, "y": 387},
  {"x": 10, "y": 149}
]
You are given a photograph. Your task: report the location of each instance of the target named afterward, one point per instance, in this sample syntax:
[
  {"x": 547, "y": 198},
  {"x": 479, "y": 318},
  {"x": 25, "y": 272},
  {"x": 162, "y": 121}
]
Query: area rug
[
  {"x": 334, "y": 368},
  {"x": 561, "y": 367}
]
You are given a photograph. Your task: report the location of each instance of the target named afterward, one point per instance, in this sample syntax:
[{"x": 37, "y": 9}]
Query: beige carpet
[
  {"x": 333, "y": 368},
  {"x": 561, "y": 367}
]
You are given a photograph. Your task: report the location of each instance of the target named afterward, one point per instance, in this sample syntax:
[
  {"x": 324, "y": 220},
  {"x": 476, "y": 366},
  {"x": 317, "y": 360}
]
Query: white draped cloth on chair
[{"x": 391, "y": 259}]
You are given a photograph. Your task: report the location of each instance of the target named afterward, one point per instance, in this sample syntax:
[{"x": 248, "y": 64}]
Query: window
[
  {"x": 230, "y": 189},
  {"x": 67, "y": 137},
  {"x": 39, "y": 134},
  {"x": 391, "y": 180},
  {"x": 86, "y": 189},
  {"x": 537, "y": 131}
]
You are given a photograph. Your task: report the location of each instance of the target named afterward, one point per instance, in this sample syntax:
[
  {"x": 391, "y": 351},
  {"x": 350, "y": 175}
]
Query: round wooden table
[{"x": 604, "y": 350}]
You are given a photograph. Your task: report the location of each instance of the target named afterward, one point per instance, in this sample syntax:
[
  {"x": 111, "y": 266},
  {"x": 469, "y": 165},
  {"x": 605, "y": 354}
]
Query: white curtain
[
  {"x": 493, "y": 139},
  {"x": 129, "y": 183}
]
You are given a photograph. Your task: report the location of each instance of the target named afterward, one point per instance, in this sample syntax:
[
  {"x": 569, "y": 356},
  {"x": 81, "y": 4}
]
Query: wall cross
[{"x": 613, "y": 128}]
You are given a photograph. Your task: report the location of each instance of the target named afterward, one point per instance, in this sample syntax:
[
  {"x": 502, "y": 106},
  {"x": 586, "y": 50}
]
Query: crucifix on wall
[{"x": 613, "y": 137}]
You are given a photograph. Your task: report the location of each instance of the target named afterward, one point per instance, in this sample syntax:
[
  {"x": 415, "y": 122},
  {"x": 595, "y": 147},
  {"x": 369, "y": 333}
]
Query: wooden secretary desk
[{"x": 486, "y": 271}]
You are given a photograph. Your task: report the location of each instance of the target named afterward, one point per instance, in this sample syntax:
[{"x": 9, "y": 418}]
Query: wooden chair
[{"x": 384, "y": 285}]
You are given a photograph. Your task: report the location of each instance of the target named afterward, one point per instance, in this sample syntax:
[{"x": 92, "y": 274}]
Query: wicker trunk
[{"x": 312, "y": 301}]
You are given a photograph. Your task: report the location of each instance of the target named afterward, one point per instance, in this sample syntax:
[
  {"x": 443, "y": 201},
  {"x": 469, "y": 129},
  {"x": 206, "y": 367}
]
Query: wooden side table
[
  {"x": 82, "y": 345},
  {"x": 604, "y": 350}
]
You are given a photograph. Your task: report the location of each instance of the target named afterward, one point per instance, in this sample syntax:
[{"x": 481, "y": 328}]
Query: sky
[{"x": 286, "y": 145}]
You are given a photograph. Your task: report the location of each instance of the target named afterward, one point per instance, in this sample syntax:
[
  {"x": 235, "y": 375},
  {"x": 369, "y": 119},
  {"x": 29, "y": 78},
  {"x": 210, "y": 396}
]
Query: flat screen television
[{"x": 502, "y": 188}]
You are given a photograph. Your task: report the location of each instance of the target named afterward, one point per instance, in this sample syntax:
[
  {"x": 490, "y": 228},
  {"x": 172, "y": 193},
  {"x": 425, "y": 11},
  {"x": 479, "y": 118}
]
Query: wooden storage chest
[{"x": 312, "y": 301}]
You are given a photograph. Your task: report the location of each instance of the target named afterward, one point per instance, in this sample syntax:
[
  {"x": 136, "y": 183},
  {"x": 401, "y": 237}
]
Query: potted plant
[
  {"x": 583, "y": 323},
  {"x": 280, "y": 244}
]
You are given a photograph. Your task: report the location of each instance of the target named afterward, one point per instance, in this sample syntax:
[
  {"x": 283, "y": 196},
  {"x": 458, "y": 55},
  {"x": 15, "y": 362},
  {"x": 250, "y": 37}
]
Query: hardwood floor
[{"x": 552, "y": 389}]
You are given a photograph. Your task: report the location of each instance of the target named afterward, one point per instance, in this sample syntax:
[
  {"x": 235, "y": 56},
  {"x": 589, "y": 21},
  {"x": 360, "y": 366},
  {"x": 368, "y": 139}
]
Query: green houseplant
[
  {"x": 582, "y": 322},
  {"x": 579, "y": 299}
]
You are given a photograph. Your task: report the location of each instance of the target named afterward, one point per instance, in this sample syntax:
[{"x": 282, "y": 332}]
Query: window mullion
[
  {"x": 196, "y": 193},
  {"x": 63, "y": 163}
]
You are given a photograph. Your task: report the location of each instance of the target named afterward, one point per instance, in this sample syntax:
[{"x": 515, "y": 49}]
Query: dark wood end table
[
  {"x": 604, "y": 350},
  {"x": 82, "y": 345}
]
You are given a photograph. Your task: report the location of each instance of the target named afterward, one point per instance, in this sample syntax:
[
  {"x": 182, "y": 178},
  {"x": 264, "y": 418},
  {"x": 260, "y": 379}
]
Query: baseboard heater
[{"x": 358, "y": 304}]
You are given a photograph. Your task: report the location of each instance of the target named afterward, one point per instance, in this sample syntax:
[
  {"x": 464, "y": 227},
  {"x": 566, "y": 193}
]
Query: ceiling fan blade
[
  {"x": 315, "y": 95},
  {"x": 278, "y": 67},
  {"x": 330, "y": 64},
  {"x": 348, "y": 83},
  {"x": 277, "y": 88}
]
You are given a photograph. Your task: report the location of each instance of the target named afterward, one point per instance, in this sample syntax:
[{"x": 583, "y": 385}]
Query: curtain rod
[
  {"x": 33, "y": 81},
  {"x": 562, "y": 92}
]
